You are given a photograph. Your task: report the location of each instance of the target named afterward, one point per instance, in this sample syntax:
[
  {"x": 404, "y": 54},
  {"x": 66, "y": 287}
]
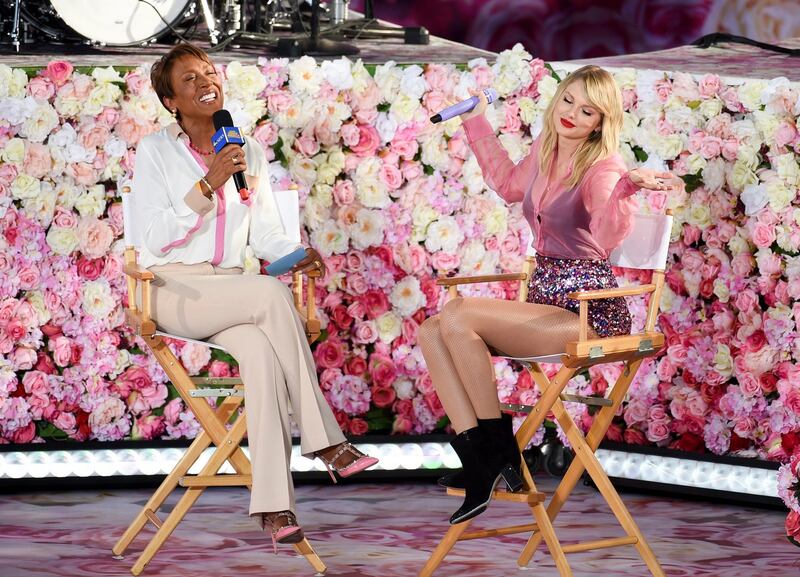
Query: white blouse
[{"x": 177, "y": 224}]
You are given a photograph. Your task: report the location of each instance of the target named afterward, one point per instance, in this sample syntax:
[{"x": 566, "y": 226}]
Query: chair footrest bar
[
  {"x": 216, "y": 480},
  {"x": 529, "y": 497},
  {"x": 594, "y": 401},
  {"x": 195, "y": 393},
  {"x": 599, "y": 544},
  {"x": 511, "y": 530},
  {"x": 219, "y": 381},
  {"x": 152, "y": 517}
]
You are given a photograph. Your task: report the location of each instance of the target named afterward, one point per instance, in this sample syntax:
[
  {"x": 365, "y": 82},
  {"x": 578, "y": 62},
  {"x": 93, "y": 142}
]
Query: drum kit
[{"x": 119, "y": 23}]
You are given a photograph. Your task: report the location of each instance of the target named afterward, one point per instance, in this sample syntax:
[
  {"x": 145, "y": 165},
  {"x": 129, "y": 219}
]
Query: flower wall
[{"x": 392, "y": 202}]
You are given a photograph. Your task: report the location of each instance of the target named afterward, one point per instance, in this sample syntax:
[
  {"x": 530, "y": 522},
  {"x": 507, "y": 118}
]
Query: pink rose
[
  {"x": 329, "y": 354},
  {"x": 709, "y": 85},
  {"x": 266, "y": 133},
  {"x": 344, "y": 192},
  {"x": 28, "y": 278},
  {"x": 368, "y": 141},
  {"x": 356, "y": 284},
  {"x": 147, "y": 427},
  {"x": 129, "y": 130},
  {"x": 219, "y": 369},
  {"x": 279, "y": 101},
  {"x": 24, "y": 434},
  {"x": 390, "y": 176},
  {"x": 376, "y": 303},
  {"x": 108, "y": 117},
  {"x": 383, "y": 396},
  {"x": 711, "y": 147},
  {"x": 41, "y": 88},
  {"x": 82, "y": 172},
  {"x": 37, "y": 160},
  {"x": 61, "y": 347},
  {"x": 350, "y": 134},
  {"x": 358, "y": 427},
  {"x": 58, "y": 71},
  {"x": 133, "y": 379},
  {"x": 365, "y": 332},
  {"x": 90, "y": 269},
  {"x": 95, "y": 237},
  {"x": 382, "y": 370},
  {"x": 307, "y": 145},
  {"x": 763, "y": 235}
]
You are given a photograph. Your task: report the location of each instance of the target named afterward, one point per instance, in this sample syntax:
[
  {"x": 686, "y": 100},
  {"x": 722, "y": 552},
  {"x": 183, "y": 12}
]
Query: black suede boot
[
  {"x": 501, "y": 435},
  {"x": 483, "y": 469}
]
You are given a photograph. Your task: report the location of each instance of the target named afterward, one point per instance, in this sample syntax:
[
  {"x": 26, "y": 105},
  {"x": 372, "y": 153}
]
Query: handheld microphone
[
  {"x": 227, "y": 134},
  {"x": 463, "y": 106}
]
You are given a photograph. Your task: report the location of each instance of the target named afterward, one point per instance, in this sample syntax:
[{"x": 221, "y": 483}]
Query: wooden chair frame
[
  {"x": 212, "y": 421},
  {"x": 579, "y": 355}
]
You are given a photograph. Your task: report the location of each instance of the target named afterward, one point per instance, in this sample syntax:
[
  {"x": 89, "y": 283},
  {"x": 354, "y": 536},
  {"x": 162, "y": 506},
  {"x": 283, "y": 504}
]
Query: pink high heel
[
  {"x": 361, "y": 463},
  {"x": 291, "y": 533}
]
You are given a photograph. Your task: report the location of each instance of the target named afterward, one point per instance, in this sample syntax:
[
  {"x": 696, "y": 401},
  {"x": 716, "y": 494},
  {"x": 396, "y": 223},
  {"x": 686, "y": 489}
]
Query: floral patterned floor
[{"x": 384, "y": 530}]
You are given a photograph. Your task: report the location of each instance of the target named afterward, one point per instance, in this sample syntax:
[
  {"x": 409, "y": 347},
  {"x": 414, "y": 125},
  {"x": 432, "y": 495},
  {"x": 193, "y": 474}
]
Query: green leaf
[
  {"x": 379, "y": 419},
  {"x": 693, "y": 104},
  {"x": 692, "y": 181},
  {"x": 277, "y": 148},
  {"x": 428, "y": 169},
  {"x": 442, "y": 423},
  {"x": 384, "y": 107},
  {"x": 47, "y": 430},
  {"x": 639, "y": 153},
  {"x": 553, "y": 72},
  {"x": 218, "y": 355}
]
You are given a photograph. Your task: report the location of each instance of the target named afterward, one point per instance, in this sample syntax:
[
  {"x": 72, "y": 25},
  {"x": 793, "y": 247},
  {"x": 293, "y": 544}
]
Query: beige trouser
[{"x": 254, "y": 318}]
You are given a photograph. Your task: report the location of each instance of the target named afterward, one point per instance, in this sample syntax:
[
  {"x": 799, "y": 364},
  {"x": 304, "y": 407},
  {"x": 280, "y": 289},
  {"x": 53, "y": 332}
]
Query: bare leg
[{"x": 457, "y": 346}]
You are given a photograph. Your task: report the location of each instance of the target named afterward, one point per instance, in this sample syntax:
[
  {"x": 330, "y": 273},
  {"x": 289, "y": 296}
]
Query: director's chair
[
  {"x": 195, "y": 392},
  {"x": 645, "y": 248}
]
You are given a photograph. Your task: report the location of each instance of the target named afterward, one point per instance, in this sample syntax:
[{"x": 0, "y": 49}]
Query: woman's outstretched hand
[
  {"x": 655, "y": 179},
  {"x": 312, "y": 260},
  {"x": 480, "y": 108}
]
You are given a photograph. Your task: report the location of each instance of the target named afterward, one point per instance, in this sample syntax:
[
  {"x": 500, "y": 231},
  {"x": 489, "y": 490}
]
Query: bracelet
[{"x": 210, "y": 188}]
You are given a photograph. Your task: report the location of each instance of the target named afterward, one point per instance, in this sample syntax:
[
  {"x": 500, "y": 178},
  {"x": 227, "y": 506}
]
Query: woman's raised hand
[
  {"x": 655, "y": 179},
  {"x": 480, "y": 108},
  {"x": 312, "y": 260},
  {"x": 228, "y": 161}
]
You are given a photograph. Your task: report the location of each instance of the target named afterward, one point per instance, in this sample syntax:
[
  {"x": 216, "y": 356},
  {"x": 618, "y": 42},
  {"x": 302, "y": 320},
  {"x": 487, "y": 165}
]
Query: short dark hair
[{"x": 162, "y": 69}]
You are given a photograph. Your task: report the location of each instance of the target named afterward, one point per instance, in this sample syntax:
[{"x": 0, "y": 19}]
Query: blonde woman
[{"x": 577, "y": 196}]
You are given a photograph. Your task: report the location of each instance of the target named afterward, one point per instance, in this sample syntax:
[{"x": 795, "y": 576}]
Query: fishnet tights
[{"x": 456, "y": 345}]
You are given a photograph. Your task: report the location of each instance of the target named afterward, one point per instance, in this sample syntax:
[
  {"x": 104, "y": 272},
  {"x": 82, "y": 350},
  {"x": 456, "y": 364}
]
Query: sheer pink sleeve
[
  {"x": 510, "y": 181},
  {"x": 608, "y": 198}
]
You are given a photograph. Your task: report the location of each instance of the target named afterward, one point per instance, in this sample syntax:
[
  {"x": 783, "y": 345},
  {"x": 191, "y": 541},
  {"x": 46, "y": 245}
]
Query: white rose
[
  {"x": 25, "y": 186},
  {"x": 338, "y": 73},
  {"x": 407, "y": 297},
  {"x": 714, "y": 174},
  {"x": 711, "y": 107},
  {"x": 108, "y": 74},
  {"x": 404, "y": 106},
  {"x": 422, "y": 215},
  {"x": 412, "y": 83},
  {"x": 780, "y": 196},
  {"x": 788, "y": 169},
  {"x": 742, "y": 175},
  {"x": 389, "y": 326},
  {"x": 514, "y": 145},
  {"x": 97, "y": 299},
  {"x": 145, "y": 107},
  {"x": 472, "y": 176},
  {"x": 738, "y": 245},
  {"x": 302, "y": 169},
  {"x": 386, "y": 125},
  {"x": 754, "y": 197},
  {"x": 723, "y": 361},
  {"x": 547, "y": 89},
  {"x": 496, "y": 220},
  {"x": 444, "y": 234},
  {"x": 403, "y": 388},
  {"x": 101, "y": 96},
  {"x": 767, "y": 123},
  {"x": 696, "y": 163},
  {"x": 304, "y": 76},
  {"x": 434, "y": 152},
  {"x": 330, "y": 238},
  {"x": 41, "y": 207},
  {"x": 39, "y": 125},
  {"x": 528, "y": 112},
  {"x": 17, "y": 110},
  {"x": 244, "y": 82},
  {"x": 387, "y": 77},
  {"x": 315, "y": 212},
  {"x": 699, "y": 215},
  {"x": 669, "y": 147},
  {"x": 92, "y": 202},
  {"x": 36, "y": 300},
  {"x": 14, "y": 151},
  {"x": 368, "y": 228},
  {"x": 750, "y": 94}
]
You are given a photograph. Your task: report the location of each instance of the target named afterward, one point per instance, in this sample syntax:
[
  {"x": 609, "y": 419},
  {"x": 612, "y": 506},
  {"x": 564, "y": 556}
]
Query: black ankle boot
[
  {"x": 501, "y": 435},
  {"x": 483, "y": 469}
]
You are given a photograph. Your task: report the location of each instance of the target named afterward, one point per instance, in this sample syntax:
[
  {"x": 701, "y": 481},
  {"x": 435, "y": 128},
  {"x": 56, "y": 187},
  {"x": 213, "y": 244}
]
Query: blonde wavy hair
[{"x": 604, "y": 95}]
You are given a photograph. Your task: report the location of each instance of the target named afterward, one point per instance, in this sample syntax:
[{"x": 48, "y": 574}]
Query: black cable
[
  {"x": 170, "y": 26},
  {"x": 715, "y": 38}
]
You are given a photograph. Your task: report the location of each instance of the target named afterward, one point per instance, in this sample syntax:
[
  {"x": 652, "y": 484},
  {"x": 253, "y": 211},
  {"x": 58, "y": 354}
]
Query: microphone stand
[{"x": 313, "y": 44}]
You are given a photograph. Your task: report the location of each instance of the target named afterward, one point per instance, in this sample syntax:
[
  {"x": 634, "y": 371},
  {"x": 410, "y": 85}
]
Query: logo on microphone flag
[{"x": 226, "y": 135}]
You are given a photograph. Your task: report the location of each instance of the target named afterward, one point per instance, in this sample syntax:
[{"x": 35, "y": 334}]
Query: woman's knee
[
  {"x": 429, "y": 332},
  {"x": 451, "y": 316}
]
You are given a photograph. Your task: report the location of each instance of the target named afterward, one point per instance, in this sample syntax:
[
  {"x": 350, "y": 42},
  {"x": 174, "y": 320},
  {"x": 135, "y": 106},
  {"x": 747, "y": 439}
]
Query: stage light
[{"x": 641, "y": 467}]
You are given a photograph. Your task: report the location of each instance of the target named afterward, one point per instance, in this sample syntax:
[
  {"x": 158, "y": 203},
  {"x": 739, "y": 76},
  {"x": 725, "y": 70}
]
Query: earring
[{"x": 174, "y": 113}]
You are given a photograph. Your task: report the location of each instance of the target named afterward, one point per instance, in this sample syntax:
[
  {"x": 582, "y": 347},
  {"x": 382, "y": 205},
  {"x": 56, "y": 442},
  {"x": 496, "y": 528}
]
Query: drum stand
[
  {"x": 368, "y": 28},
  {"x": 313, "y": 44},
  {"x": 15, "y": 26}
]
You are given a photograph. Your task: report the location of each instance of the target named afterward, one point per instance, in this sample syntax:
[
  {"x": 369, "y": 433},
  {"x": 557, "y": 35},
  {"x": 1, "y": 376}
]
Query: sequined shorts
[{"x": 554, "y": 278}]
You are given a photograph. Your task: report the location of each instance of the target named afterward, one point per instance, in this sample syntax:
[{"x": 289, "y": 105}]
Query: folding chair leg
[
  {"x": 225, "y": 449},
  {"x": 167, "y": 486},
  {"x": 304, "y": 548},
  {"x": 545, "y": 529},
  {"x": 443, "y": 548}
]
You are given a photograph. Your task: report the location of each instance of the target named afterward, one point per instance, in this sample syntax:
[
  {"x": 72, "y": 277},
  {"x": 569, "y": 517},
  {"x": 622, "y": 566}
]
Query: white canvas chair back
[{"x": 647, "y": 245}]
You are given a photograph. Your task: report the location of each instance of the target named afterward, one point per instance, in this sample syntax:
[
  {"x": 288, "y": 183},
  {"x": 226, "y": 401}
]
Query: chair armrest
[
  {"x": 137, "y": 272},
  {"x": 459, "y": 280},
  {"x": 612, "y": 292}
]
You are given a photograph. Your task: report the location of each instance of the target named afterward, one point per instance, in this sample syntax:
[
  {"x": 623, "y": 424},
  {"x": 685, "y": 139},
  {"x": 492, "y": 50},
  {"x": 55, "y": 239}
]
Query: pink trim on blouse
[
  {"x": 185, "y": 239},
  {"x": 219, "y": 232}
]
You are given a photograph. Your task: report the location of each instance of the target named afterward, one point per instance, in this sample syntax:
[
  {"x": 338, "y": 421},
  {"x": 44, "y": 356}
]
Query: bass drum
[{"x": 122, "y": 22}]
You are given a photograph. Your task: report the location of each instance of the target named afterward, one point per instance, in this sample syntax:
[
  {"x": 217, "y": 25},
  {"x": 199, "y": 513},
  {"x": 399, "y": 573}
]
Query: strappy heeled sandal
[
  {"x": 289, "y": 533},
  {"x": 360, "y": 463}
]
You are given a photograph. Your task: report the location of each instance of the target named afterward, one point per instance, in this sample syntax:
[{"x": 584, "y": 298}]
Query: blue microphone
[
  {"x": 463, "y": 106},
  {"x": 227, "y": 134}
]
